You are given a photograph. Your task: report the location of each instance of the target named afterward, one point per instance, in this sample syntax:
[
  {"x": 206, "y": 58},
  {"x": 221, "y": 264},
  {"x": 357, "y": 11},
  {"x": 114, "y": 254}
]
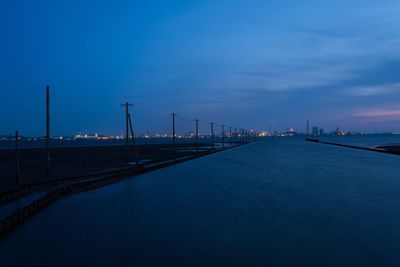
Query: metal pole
[
  {"x": 197, "y": 135},
  {"x": 223, "y": 135},
  {"x": 48, "y": 131},
  {"x": 212, "y": 136},
  {"x": 16, "y": 158}
]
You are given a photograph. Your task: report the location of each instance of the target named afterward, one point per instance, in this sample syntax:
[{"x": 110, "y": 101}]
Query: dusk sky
[{"x": 251, "y": 64}]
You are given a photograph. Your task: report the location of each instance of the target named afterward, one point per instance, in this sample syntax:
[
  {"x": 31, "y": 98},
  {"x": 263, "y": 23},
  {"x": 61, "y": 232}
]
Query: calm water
[{"x": 282, "y": 202}]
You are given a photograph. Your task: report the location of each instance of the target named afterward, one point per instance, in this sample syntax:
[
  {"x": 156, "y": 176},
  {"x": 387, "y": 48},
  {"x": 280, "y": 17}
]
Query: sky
[{"x": 245, "y": 63}]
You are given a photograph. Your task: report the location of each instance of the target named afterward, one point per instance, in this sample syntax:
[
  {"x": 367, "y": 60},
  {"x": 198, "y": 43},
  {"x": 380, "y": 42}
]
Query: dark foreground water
[{"x": 282, "y": 202}]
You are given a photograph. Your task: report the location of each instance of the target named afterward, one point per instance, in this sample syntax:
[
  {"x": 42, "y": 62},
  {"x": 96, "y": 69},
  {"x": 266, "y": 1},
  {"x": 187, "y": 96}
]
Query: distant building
[
  {"x": 289, "y": 132},
  {"x": 86, "y": 136},
  {"x": 321, "y": 131},
  {"x": 315, "y": 130}
]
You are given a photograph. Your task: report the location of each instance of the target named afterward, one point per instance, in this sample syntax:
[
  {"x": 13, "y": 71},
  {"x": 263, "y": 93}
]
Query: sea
[{"x": 276, "y": 202}]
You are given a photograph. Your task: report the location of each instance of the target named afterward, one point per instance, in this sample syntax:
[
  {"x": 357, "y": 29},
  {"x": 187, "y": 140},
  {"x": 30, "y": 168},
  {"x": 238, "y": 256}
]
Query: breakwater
[{"x": 381, "y": 149}]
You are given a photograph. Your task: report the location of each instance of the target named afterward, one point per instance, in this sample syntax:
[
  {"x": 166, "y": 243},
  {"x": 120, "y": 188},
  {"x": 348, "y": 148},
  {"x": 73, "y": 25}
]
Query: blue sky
[{"x": 251, "y": 64}]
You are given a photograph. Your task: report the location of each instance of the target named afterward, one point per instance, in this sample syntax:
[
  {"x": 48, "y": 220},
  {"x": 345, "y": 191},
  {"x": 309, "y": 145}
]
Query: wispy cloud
[
  {"x": 291, "y": 57},
  {"x": 373, "y": 90},
  {"x": 380, "y": 113}
]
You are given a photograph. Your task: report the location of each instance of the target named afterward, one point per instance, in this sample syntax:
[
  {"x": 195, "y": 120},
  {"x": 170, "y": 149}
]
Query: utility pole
[
  {"x": 133, "y": 141},
  {"x": 212, "y": 136},
  {"x": 223, "y": 135},
  {"x": 230, "y": 135},
  {"x": 173, "y": 130},
  {"x": 126, "y": 106},
  {"x": 48, "y": 131},
  {"x": 236, "y": 137},
  {"x": 16, "y": 158},
  {"x": 197, "y": 135}
]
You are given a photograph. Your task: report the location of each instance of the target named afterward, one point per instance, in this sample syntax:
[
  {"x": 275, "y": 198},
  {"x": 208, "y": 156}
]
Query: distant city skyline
[{"x": 246, "y": 64}]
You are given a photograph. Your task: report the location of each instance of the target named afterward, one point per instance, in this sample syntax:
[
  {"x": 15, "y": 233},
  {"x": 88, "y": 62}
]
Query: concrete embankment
[{"x": 380, "y": 149}]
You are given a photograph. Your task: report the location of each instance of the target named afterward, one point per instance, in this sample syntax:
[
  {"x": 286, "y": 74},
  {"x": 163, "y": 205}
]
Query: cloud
[
  {"x": 374, "y": 90},
  {"x": 285, "y": 58},
  {"x": 380, "y": 114}
]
